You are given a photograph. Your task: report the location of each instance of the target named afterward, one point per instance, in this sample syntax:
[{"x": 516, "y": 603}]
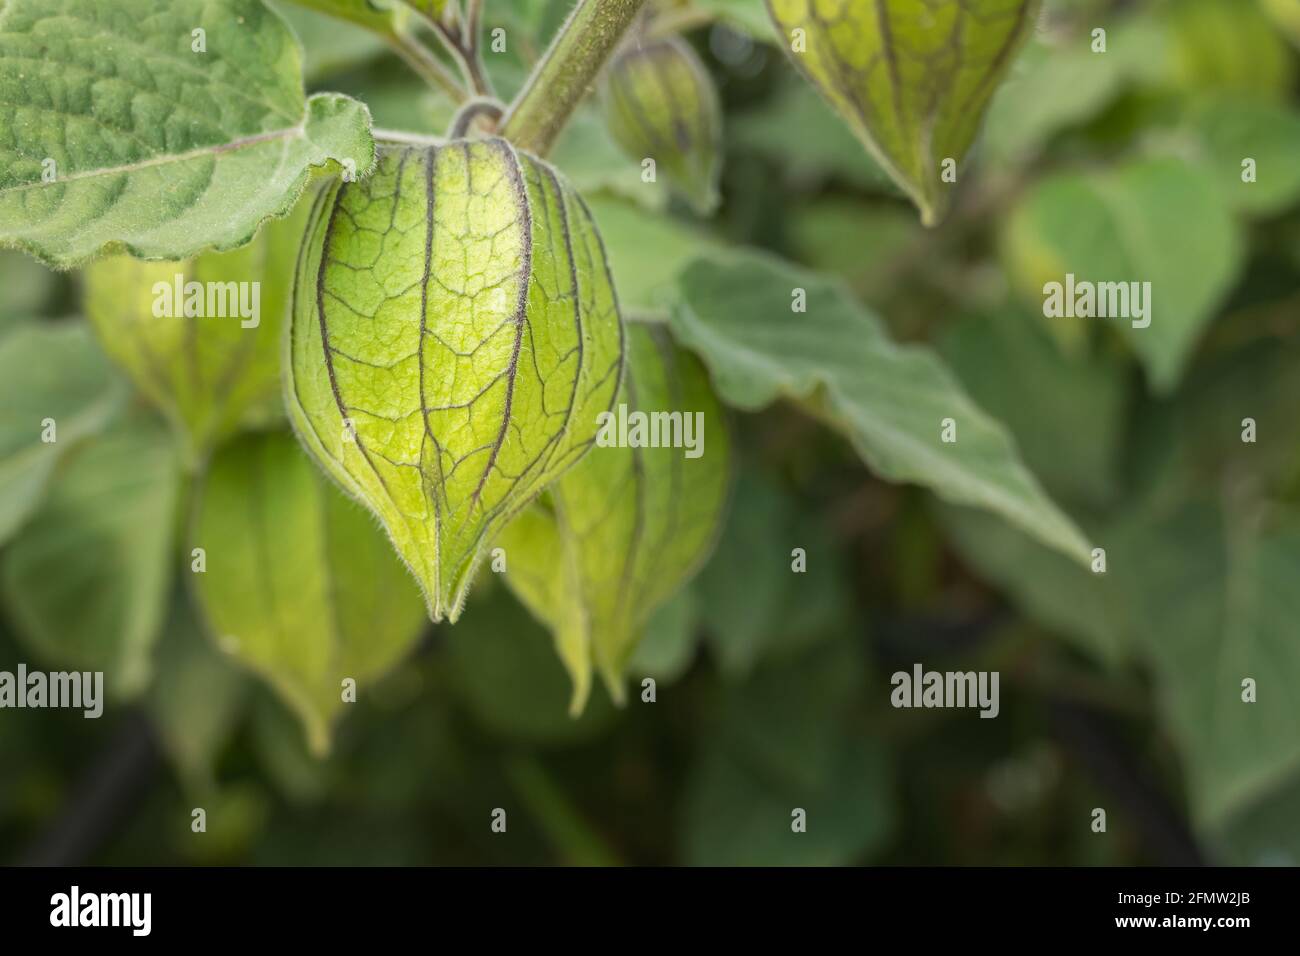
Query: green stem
[
  {"x": 461, "y": 45},
  {"x": 560, "y": 821},
  {"x": 471, "y": 67},
  {"x": 680, "y": 21},
  {"x": 424, "y": 63},
  {"x": 471, "y": 38},
  {"x": 567, "y": 71},
  {"x": 473, "y": 25},
  {"x": 472, "y": 110}
]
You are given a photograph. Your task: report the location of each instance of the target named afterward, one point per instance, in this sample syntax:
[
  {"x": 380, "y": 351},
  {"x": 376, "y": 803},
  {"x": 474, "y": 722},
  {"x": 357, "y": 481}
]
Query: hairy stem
[
  {"x": 467, "y": 61},
  {"x": 473, "y": 25},
  {"x": 461, "y": 44},
  {"x": 471, "y": 39},
  {"x": 567, "y": 71},
  {"x": 471, "y": 111}
]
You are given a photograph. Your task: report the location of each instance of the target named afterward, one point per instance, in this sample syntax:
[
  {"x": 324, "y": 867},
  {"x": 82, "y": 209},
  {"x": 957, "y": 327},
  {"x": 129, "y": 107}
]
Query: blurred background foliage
[{"x": 1119, "y": 691}]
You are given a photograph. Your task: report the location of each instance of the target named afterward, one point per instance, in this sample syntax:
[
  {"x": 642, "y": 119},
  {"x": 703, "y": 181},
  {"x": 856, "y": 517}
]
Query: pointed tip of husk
[
  {"x": 318, "y": 733},
  {"x": 614, "y": 683},
  {"x": 581, "y": 694}
]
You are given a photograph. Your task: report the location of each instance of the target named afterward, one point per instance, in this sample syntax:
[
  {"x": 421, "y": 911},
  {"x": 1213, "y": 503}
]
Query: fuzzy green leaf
[
  {"x": 891, "y": 400},
  {"x": 629, "y": 525},
  {"x": 117, "y": 132},
  {"x": 454, "y": 338},
  {"x": 660, "y": 104},
  {"x": 56, "y": 385},
  {"x": 208, "y": 356},
  {"x": 87, "y": 580},
  {"x": 911, "y": 79},
  {"x": 299, "y": 585}
]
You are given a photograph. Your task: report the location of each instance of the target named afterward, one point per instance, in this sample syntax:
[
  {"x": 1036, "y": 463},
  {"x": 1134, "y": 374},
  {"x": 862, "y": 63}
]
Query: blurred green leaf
[
  {"x": 328, "y": 48},
  {"x": 781, "y": 742},
  {"x": 293, "y": 770},
  {"x": 1194, "y": 441},
  {"x": 299, "y": 585},
  {"x": 381, "y": 16},
  {"x": 592, "y": 161},
  {"x": 753, "y": 604},
  {"x": 1161, "y": 221},
  {"x": 911, "y": 81},
  {"x": 506, "y": 672},
  {"x": 1225, "y": 45},
  {"x": 87, "y": 581},
  {"x": 1071, "y": 434},
  {"x": 1084, "y": 607},
  {"x": 235, "y": 817},
  {"x": 48, "y": 373},
  {"x": 735, "y": 817},
  {"x": 671, "y": 639},
  {"x": 1214, "y": 601},
  {"x": 1058, "y": 82},
  {"x": 796, "y": 128},
  {"x": 1264, "y": 833},
  {"x": 858, "y": 240},
  {"x": 646, "y": 253},
  {"x": 1286, "y": 14},
  {"x": 27, "y": 287},
  {"x": 748, "y": 15},
  {"x": 745, "y": 587},
  {"x": 397, "y": 98},
  {"x": 890, "y": 400},
  {"x": 1234, "y": 128},
  {"x": 214, "y": 368},
  {"x": 195, "y": 700}
]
